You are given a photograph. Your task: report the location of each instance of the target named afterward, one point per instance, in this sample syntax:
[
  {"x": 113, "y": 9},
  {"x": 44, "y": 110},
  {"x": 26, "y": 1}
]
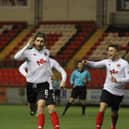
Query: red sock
[
  {"x": 114, "y": 121},
  {"x": 55, "y": 120},
  {"x": 99, "y": 120},
  {"x": 41, "y": 119}
]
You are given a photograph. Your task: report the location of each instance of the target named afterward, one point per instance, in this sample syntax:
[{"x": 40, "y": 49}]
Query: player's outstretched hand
[
  {"x": 84, "y": 61},
  {"x": 113, "y": 79}
]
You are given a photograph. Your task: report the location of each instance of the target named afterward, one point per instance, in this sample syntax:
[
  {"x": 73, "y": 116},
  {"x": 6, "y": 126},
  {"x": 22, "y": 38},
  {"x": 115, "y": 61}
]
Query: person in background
[
  {"x": 56, "y": 86},
  {"x": 78, "y": 79}
]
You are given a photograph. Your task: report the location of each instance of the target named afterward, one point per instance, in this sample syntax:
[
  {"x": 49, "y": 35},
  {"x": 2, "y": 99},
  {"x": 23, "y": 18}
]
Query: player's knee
[
  {"x": 51, "y": 108},
  {"x": 102, "y": 107},
  {"x": 41, "y": 103}
]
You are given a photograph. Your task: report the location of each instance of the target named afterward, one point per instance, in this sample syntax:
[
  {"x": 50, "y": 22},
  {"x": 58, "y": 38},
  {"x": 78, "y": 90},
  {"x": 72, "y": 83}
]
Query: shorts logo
[{"x": 46, "y": 93}]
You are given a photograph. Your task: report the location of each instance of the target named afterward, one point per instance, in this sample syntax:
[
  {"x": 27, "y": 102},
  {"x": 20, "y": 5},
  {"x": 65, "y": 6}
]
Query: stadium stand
[
  {"x": 63, "y": 38},
  {"x": 83, "y": 52},
  {"x": 8, "y": 30},
  {"x": 84, "y": 31},
  {"x": 11, "y": 77},
  {"x": 68, "y": 37},
  {"x": 97, "y": 52},
  {"x": 57, "y": 36}
]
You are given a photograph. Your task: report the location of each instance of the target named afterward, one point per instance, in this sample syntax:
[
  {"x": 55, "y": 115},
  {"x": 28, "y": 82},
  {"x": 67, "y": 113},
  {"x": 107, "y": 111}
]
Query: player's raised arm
[
  {"x": 21, "y": 53},
  {"x": 94, "y": 64}
]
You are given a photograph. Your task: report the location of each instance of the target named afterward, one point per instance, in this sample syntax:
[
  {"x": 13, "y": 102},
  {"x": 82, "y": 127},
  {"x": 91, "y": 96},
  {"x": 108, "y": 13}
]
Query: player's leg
[
  {"x": 115, "y": 108},
  {"x": 52, "y": 110},
  {"x": 105, "y": 100},
  {"x": 31, "y": 98},
  {"x": 71, "y": 100},
  {"x": 114, "y": 118},
  {"x": 42, "y": 95},
  {"x": 40, "y": 113},
  {"x": 57, "y": 96},
  {"x": 33, "y": 108},
  {"x": 83, "y": 105},
  {"x": 54, "y": 116},
  {"x": 100, "y": 115},
  {"x": 82, "y": 98},
  {"x": 67, "y": 106}
]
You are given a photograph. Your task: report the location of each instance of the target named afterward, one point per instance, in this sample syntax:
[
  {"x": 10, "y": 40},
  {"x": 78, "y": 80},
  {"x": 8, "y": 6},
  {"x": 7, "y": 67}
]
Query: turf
[{"x": 17, "y": 117}]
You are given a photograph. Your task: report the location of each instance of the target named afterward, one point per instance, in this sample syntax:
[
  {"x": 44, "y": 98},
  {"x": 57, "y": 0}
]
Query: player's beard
[{"x": 39, "y": 47}]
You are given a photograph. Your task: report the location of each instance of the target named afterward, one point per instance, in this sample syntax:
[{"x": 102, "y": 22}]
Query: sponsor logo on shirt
[
  {"x": 113, "y": 71},
  {"x": 41, "y": 61},
  {"x": 34, "y": 54}
]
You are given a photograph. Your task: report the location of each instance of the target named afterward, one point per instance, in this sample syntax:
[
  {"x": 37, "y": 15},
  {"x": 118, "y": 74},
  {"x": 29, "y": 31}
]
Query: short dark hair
[
  {"x": 77, "y": 62},
  {"x": 40, "y": 34},
  {"x": 116, "y": 46}
]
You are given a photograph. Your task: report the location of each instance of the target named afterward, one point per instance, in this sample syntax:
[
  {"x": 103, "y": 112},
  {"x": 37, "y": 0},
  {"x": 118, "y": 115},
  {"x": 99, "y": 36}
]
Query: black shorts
[
  {"x": 112, "y": 100},
  {"x": 39, "y": 91},
  {"x": 57, "y": 92},
  {"x": 79, "y": 91}
]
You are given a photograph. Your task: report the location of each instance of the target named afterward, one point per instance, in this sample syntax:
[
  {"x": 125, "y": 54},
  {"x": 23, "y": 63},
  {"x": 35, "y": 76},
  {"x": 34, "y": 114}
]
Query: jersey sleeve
[
  {"x": 20, "y": 55},
  {"x": 22, "y": 69},
  {"x": 124, "y": 79},
  {"x": 97, "y": 64},
  {"x": 58, "y": 67}
]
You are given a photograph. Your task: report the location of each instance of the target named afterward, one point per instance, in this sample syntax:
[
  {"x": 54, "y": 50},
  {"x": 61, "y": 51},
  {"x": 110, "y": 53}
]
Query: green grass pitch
[{"x": 17, "y": 117}]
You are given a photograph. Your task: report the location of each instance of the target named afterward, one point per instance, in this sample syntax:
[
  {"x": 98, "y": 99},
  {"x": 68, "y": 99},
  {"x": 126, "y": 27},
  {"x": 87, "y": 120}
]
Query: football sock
[
  {"x": 41, "y": 120},
  {"x": 99, "y": 120},
  {"x": 66, "y": 108},
  {"x": 54, "y": 120},
  {"x": 114, "y": 118}
]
